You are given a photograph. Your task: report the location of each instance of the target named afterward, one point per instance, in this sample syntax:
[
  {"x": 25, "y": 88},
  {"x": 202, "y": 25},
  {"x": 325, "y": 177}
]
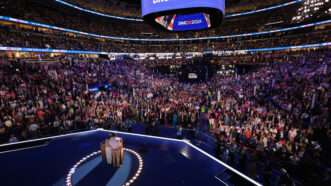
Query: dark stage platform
[{"x": 166, "y": 162}]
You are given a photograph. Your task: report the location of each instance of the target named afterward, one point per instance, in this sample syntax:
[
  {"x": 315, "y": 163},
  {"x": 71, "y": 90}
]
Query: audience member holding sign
[{"x": 112, "y": 150}]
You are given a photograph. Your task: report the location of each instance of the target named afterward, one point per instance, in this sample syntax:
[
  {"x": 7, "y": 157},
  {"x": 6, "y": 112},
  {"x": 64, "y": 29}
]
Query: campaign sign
[{"x": 195, "y": 21}]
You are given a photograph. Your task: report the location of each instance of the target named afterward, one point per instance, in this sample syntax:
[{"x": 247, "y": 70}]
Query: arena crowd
[{"x": 279, "y": 112}]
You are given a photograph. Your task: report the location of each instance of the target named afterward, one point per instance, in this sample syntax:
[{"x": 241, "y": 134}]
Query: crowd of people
[
  {"x": 38, "y": 38},
  {"x": 279, "y": 112},
  {"x": 272, "y": 120},
  {"x": 287, "y": 124},
  {"x": 49, "y": 12}
]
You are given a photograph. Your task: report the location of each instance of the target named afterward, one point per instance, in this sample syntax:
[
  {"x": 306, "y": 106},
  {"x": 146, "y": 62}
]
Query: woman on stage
[{"x": 114, "y": 151}]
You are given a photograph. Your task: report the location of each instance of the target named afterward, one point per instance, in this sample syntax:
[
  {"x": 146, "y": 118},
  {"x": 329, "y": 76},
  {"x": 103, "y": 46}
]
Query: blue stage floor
[{"x": 166, "y": 163}]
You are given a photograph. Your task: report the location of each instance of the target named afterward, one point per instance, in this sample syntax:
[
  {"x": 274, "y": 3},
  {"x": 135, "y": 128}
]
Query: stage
[{"x": 164, "y": 162}]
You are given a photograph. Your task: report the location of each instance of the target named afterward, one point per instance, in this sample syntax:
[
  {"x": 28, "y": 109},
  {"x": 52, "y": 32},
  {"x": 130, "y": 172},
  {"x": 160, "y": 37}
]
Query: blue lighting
[
  {"x": 307, "y": 46},
  {"x": 149, "y": 7},
  {"x": 99, "y": 13},
  {"x": 10, "y": 19},
  {"x": 263, "y": 9}
]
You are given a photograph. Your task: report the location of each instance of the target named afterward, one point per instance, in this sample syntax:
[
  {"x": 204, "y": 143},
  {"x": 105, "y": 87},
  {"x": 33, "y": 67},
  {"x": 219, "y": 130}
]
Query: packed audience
[
  {"x": 279, "y": 112},
  {"x": 274, "y": 120},
  {"x": 38, "y": 38}
]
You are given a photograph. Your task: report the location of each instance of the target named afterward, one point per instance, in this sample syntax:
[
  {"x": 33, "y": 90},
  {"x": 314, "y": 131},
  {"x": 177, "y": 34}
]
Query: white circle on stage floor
[{"x": 87, "y": 157}]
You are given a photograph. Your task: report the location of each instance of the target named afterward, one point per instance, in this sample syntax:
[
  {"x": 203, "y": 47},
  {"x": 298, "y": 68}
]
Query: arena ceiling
[{"x": 131, "y": 8}]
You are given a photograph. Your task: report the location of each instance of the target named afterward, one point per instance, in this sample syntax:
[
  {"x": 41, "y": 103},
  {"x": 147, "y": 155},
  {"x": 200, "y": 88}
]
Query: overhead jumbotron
[{"x": 184, "y": 16}]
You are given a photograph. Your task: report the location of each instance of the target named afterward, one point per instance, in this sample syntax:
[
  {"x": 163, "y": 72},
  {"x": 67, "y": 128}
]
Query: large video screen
[
  {"x": 196, "y": 21},
  {"x": 155, "y": 6},
  {"x": 183, "y": 15}
]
